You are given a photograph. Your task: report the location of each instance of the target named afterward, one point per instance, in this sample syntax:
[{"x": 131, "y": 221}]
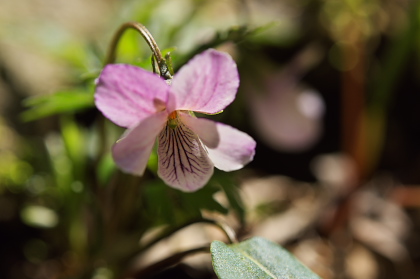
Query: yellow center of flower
[
  {"x": 173, "y": 120},
  {"x": 173, "y": 115}
]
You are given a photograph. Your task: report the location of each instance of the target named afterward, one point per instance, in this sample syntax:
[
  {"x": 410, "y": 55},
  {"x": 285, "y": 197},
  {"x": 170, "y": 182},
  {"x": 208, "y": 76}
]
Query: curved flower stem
[
  {"x": 229, "y": 232},
  {"x": 171, "y": 260},
  {"x": 163, "y": 68}
]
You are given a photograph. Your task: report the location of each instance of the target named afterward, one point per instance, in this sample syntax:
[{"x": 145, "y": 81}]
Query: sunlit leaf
[
  {"x": 60, "y": 102},
  {"x": 256, "y": 258},
  {"x": 39, "y": 216}
]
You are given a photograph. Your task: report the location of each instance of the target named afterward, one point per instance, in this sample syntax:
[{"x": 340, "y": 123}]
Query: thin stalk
[
  {"x": 169, "y": 261},
  {"x": 229, "y": 232},
  {"x": 111, "y": 56}
]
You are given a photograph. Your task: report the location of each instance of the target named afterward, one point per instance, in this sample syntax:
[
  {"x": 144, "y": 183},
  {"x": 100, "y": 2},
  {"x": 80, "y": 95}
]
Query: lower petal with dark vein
[{"x": 183, "y": 160}]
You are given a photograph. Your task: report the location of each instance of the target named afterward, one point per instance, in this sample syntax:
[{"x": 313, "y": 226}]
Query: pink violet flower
[{"x": 151, "y": 108}]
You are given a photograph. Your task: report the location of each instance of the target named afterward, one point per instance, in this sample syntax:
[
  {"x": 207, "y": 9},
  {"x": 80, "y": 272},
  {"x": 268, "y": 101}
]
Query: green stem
[
  {"x": 161, "y": 265},
  {"x": 229, "y": 232},
  {"x": 164, "y": 71},
  {"x": 383, "y": 88}
]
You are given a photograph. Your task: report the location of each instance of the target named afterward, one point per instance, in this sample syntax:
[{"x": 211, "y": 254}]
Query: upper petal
[
  {"x": 183, "y": 162},
  {"x": 228, "y": 148},
  {"x": 126, "y": 94},
  {"x": 207, "y": 83},
  {"x": 132, "y": 152}
]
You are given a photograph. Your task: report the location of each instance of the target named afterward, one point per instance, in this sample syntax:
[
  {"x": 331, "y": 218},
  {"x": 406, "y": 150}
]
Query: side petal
[
  {"x": 207, "y": 83},
  {"x": 126, "y": 94},
  {"x": 131, "y": 153},
  {"x": 228, "y": 148},
  {"x": 183, "y": 161}
]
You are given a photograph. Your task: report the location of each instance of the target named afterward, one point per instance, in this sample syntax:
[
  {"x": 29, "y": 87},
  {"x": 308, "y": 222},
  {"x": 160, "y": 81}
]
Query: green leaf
[
  {"x": 64, "y": 101},
  {"x": 74, "y": 142},
  {"x": 256, "y": 258},
  {"x": 175, "y": 207},
  {"x": 106, "y": 168},
  {"x": 228, "y": 184}
]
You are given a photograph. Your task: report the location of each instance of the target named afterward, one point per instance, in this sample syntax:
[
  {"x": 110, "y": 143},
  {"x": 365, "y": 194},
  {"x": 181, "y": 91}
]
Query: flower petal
[
  {"x": 228, "y": 148},
  {"x": 183, "y": 161},
  {"x": 132, "y": 152},
  {"x": 207, "y": 83},
  {"x": 127, "y": 94}
]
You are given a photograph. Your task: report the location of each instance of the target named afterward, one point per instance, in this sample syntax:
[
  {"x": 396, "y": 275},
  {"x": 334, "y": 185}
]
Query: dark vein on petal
[{"x": 182, "y": 157}]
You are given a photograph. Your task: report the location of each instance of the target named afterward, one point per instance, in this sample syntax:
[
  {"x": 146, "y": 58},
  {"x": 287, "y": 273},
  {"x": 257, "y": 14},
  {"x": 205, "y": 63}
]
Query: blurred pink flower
[
  {"x": 150, "y": 107},
  {"x": 286, "y": 114}
]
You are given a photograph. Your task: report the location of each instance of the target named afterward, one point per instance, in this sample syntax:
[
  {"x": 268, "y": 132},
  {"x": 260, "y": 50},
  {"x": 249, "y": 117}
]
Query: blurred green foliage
[
  {"x": 87, "y": 215},
  {"x": 59, "y": 102}
]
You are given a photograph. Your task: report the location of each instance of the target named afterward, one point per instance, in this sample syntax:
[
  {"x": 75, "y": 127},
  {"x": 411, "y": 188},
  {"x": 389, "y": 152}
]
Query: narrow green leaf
[
  {"x": 228, "y": 184},
  {"x": 64, "y": 101},
  {"x": 256, "y": 258},
  {"x": 106, "y": 168},
  {"x": 74, "y": 139}
]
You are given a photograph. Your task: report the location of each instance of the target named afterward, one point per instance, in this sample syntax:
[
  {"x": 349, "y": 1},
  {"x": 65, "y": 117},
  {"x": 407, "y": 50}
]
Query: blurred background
[{"x": 329, "y": 90}]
